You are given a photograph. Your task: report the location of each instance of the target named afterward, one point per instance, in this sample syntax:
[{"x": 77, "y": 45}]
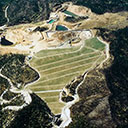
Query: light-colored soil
[
  {"x": 7, "y": 50},
  {"x": 79, "y": 10},
  {"x": 35, "y": 41}
]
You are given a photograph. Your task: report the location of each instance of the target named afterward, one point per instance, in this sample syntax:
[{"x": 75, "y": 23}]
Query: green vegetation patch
[
  {"x": 57, "y": 67},
  {"x": 51, "y": 99},
  {"x": 48, "y": 94},
  {"x": 47, "y": 87},
  {"x": 60, "y": 56},
  {"x": 49, "y": 52},
  {"x": 95, "y": 43},
  {"x": 60, "y": 80},
  {"x": 72, "y": 61}
]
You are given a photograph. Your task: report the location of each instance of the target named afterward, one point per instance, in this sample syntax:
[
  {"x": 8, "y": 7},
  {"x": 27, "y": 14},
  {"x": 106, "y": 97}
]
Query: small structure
[{"x": 53, "y": 17}]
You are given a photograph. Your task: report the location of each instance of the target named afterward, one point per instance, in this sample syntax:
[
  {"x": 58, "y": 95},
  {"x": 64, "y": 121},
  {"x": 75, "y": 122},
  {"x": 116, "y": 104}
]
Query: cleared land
[{"x": 58, "y": 67}]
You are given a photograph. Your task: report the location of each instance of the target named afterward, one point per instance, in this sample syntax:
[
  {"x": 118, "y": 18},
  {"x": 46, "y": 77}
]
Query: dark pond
[
  {"x": 61, "y": 28},
  {"x": 5, "y": 42},
  {"x": 41, "y": 29}
]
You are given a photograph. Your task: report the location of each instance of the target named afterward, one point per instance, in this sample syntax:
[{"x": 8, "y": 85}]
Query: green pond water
[
  {"x": 51, "y": 21},
  {"x": 61, "y": 28},
  {"x": 70, "y": 13}
]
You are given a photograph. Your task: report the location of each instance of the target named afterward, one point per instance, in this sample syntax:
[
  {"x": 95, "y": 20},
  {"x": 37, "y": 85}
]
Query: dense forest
[
  {"x": 3, "y": 5},
  {"x": 36, "y": 114},
  {"x": 19, "y": 10},
  {"x": 113, "y": 87}
]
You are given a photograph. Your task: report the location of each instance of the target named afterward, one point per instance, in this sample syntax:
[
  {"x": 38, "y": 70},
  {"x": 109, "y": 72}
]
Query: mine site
[{"x": 53, "y": 58}]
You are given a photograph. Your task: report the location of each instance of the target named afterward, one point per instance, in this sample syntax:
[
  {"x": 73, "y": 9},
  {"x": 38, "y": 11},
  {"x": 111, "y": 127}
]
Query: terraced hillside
[{"x": 58, "y": 67}]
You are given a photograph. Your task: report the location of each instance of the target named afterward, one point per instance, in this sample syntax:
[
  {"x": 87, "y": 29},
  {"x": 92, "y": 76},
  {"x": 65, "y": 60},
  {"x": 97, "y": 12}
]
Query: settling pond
[{"x": 61, "y": 28}]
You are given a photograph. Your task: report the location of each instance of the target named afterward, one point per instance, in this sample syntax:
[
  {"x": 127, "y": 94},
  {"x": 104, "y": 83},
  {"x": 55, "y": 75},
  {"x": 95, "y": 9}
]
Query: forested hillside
[{"x": 19, "y": 10}]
